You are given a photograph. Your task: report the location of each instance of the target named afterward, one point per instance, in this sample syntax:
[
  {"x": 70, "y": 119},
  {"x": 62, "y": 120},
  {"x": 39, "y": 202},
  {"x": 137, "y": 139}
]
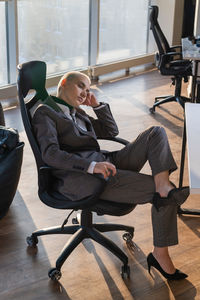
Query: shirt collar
[{"x": 60, "y": 101}]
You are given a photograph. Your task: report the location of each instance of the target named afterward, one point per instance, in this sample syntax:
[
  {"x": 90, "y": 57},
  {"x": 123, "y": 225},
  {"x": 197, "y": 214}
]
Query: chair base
[
  {"x": 84, "y": 229},
  {"x": 187, "y": 211},
  {"x": 165, "y": 99}
]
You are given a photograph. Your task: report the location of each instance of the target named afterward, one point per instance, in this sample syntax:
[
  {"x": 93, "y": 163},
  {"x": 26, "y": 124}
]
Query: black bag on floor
[{"x": 11, "y": 154}]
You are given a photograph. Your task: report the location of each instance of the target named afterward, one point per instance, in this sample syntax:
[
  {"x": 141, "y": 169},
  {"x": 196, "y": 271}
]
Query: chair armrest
[
  {"x": 167, "y": 58},
  {"x": 176, "y": 47},
  {"x": 172, "y": 54},
  {"x": 115, "y": 139}
]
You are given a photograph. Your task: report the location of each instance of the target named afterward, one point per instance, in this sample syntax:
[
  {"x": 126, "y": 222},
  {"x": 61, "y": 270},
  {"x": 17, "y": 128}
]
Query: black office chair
[
  {"x": 2, "y": 119},
  {"x": 169, "y": 62},
  {"x": 32, "y": 76}
]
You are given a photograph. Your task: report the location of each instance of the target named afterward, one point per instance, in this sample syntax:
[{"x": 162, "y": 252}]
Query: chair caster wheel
[
  {"x": 125, "y": 271},
  {"x": 32, "y": 241},
  {"x": 127, "y": 236},
  {"x": 152, "y": 110},
  {"x": 54, "y": 274},
  {"x": 75, "y": 221}
]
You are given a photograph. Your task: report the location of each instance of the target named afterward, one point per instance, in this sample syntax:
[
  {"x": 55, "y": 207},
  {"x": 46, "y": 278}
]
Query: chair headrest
[
  {"x": 154, "y": 14},
  {"x": 32, "y": 75}
]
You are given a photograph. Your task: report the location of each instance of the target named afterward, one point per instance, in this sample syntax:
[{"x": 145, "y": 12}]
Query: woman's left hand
[{"x": 91, "y": 100}]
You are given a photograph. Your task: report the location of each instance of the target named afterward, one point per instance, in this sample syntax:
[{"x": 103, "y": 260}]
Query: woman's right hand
[{"x": 105, "y": 168}]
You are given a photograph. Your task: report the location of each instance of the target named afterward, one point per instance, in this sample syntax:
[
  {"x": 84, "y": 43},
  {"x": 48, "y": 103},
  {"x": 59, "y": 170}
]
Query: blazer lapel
[
  {"x": 89, "y": 131},
  {"x": 84, "y": 118}
]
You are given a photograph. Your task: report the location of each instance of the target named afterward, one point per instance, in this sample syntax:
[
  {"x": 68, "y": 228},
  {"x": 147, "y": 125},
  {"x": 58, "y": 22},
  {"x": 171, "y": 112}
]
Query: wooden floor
[{"x": 91, "y": 272}]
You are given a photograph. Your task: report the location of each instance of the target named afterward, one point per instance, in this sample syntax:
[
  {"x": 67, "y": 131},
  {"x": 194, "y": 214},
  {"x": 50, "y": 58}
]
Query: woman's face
[{"x": 76, "y": 90}]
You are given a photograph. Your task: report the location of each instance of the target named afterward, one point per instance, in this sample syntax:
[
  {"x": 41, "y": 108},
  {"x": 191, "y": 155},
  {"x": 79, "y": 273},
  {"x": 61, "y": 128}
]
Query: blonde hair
[{"x": 69, "y": 76}]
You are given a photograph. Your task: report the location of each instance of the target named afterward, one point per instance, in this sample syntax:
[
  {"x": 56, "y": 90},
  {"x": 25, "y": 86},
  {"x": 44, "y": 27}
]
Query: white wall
[{"x": 178, "y": 22}]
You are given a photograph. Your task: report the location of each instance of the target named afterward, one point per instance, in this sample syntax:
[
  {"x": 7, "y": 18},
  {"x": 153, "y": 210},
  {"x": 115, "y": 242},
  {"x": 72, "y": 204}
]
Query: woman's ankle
[
  {"x": 164, "y": 190},
  {"x": 163, "y": 258},
  {"x": 162, "y": 184}
]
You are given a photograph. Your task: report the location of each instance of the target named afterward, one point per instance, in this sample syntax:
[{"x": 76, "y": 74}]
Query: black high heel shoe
[{"x": 152, "y": 262}]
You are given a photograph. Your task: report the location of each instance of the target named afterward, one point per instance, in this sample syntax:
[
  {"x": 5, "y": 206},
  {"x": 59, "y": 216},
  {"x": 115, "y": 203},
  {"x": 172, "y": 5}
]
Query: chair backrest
[
  {"x": 31, "y": 76},
  {"x": 160, "y": 39}
]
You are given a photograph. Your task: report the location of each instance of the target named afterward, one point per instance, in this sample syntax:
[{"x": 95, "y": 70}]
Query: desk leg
[
  {"x": 194, "y": 81},
  {"x": 182, "y": 157}
]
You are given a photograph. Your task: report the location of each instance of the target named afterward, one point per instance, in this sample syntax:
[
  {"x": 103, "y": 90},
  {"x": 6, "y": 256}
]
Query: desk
[
  {"x": 192, "y": 121},
  {"x": 191, "y": 129}
]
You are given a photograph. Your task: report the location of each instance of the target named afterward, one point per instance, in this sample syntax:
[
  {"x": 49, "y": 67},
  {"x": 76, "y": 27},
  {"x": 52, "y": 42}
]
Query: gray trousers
[{"x": 130, "y": 186}]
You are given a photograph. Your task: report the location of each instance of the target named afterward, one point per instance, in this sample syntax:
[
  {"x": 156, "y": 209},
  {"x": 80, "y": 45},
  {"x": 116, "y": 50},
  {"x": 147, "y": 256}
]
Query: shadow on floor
[{"x": 25, "y": 276}]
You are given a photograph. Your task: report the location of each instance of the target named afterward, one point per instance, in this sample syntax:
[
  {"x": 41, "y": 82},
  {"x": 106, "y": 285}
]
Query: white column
[
  {"x": 197, "y": 19},
  {"x": 94, "y": 31},
  {"x": 12, "y": 41}
]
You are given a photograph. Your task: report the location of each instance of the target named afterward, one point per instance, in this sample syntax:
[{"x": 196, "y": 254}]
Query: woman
[{"x": 68, "y": 141}]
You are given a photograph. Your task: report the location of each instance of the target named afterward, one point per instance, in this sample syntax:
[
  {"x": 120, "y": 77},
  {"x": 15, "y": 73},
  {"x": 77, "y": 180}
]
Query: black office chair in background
[
  {"x": 169, "y": 62},
  {"x": 32, "y": 76},
  {"x": 2, "y": 119}
]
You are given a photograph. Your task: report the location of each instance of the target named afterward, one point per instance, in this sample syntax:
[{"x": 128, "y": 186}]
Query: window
[
  {"x": 123, "y": 29},
  {"x": 3, "y": 46},
  {"x": 54, "y": 31},
  {"x": 71, "y": 34}
]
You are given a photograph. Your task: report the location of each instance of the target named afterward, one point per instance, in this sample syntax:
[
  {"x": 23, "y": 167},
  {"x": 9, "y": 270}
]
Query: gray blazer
[{"x": 70, "y": 149}]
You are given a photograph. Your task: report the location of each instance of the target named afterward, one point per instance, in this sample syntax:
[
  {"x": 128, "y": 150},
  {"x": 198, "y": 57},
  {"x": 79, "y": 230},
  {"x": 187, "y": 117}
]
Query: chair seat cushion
[
  {"x": 177, "y": 68},
  {"x": 103, "y": 207}
]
